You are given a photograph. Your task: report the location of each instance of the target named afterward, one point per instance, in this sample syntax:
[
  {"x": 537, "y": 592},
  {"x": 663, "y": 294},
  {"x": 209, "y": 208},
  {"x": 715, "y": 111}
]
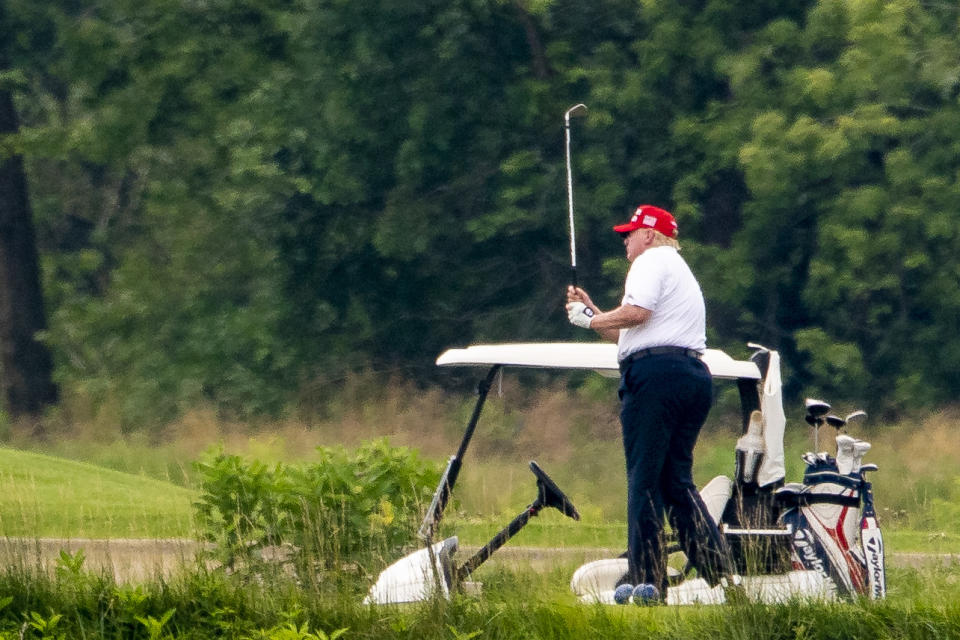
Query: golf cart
[{"x": 786, "y": 540}]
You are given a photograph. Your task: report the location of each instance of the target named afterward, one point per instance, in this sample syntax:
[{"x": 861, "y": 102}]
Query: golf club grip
[{"x": 573, "y": 276}]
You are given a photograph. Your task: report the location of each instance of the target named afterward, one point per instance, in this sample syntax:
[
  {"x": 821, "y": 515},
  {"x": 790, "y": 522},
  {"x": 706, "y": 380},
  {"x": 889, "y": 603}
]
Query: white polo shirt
[{"x": 660, "y": 280}]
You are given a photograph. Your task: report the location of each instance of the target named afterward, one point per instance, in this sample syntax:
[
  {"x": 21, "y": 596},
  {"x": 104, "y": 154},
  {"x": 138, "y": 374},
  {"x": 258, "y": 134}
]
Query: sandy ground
[
  {"x": 130, "y": 560},
  {"x": 135, "y": 560}
]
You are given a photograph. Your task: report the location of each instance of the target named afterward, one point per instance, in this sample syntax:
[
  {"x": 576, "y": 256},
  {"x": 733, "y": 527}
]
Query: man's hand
[
  {"x": 576, "y": 294},
  {"x": 580, "y": 315}
]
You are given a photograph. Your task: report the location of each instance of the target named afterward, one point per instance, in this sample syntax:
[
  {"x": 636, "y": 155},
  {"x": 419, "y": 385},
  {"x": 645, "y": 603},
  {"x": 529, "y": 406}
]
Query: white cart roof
[{"x": 601, "y": 357}]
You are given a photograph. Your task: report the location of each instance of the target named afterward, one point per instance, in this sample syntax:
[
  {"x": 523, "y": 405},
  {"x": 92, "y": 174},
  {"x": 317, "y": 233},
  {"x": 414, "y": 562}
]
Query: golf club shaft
[{"x": 573, "y": 241}]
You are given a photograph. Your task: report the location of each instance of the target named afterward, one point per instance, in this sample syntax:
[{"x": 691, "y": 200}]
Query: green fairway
[{"x": 45, "y": 496}]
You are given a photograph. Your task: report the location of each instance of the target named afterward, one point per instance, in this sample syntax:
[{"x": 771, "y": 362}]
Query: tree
[
  {"x": 25, "y": 364},
  {"x": 242, "y": 197},
  {"x": 839, "y": 127}
]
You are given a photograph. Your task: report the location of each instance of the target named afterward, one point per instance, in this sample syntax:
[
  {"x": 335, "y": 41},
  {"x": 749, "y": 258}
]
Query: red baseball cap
[{"x": 648, "y": 216}]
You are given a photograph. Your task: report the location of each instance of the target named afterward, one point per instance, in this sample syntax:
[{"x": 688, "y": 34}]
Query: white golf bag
[{"x": 833, "y": 524}]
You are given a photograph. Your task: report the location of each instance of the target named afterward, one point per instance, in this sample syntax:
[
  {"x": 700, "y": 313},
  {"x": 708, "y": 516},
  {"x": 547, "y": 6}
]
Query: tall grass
[{"x": 75, "y": 603}]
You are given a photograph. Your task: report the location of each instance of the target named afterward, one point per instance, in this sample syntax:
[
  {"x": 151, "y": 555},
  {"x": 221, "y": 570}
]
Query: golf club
[
  {"x": 836, "y": 422},
  {"x": 859, "y": 414},
  {"x": 860, "y": 449},
  {"x": 845, "y": 453},
  {"x": 845, "y": 444},
  {"x": 816, "y": 409},
  {"x": 574, "y": 111}
]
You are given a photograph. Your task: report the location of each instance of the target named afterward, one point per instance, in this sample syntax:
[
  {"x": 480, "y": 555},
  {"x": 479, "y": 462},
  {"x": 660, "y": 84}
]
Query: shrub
[{"x": 340, "y": 509}]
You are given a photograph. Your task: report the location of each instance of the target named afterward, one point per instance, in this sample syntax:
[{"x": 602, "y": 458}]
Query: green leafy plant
[
  {"x": 70, "y": 566},
  {"x": 46, "y": 627},
  {"x": 290, "y": 631},
  {"x": 332, "y": 511},
  {"x": 463, "y": 635},
  {"x": 153, "y": 626},
  {"x": 128, "y": 603}
]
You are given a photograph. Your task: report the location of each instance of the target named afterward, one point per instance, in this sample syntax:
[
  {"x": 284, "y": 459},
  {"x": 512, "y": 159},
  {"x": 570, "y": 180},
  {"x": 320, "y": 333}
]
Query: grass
[
  {"x": 76, "y": 603},
  {"x": 573, "y": 435},
  {"x": 46, "y": 496},
  {"x": 80, "y": 483}
]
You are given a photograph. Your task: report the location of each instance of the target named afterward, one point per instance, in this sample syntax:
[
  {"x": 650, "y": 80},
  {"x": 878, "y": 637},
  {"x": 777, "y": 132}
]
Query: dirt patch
[
  {"x": 140, "y": 560},
  {"x": 129, "y": 560}
]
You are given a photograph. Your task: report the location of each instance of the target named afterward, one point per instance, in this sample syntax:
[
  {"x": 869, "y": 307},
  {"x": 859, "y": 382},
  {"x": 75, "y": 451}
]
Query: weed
[
  {"x": 46, "y": 627},
  {"x": 290, "y": 631},
  {"x": 70, "y": 566},
  {"x": 154, "y": 626},
  {"x": 334, "y": 511}
]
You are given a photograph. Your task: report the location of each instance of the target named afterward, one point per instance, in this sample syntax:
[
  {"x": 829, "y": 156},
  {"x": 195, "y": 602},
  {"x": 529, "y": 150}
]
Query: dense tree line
[{"x": 237, "y": 201}]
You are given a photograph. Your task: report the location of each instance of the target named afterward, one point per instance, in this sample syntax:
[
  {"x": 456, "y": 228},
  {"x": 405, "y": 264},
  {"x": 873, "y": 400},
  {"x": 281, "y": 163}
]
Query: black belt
[{"x": 659, "y": 351}]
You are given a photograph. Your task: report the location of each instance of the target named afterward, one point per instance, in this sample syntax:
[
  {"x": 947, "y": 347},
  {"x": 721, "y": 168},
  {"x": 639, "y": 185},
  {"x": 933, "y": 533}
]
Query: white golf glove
[{"x": 580, "y": 315}]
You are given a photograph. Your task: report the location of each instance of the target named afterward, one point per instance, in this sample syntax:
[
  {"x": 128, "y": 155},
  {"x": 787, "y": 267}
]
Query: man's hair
[{"x": 660, "y": 240}]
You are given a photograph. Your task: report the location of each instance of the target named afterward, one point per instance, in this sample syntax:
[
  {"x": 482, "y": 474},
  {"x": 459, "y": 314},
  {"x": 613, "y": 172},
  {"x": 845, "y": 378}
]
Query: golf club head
[
  {"x": 550, "y": 495},
  {"x": 835, "y": 421},
  {"x": 576, "y": 111},
  {"x": 859, "y": 415},
  {"x": 816, "y": 408},
  {"x": 813, "y": 421}
]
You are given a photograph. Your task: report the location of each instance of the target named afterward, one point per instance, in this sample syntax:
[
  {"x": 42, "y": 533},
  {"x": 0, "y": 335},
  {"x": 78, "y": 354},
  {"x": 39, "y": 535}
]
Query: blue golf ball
[
  {"x": 646, "y": 594},
  {"x": 622, "y": 594}
]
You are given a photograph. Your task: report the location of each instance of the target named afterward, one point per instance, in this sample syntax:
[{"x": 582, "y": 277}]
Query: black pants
[{"x": 665, "y": 400}]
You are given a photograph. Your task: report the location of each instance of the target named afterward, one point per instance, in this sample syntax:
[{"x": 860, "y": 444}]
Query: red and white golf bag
[{"x": 834, "y": 526}]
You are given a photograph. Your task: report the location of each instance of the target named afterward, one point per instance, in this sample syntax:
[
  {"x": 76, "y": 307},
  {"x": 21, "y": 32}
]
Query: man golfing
[{"x": 665, "y": 393}]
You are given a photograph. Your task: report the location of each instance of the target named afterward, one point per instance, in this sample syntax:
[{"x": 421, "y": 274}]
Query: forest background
[{"x": 238, "y": 203}]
